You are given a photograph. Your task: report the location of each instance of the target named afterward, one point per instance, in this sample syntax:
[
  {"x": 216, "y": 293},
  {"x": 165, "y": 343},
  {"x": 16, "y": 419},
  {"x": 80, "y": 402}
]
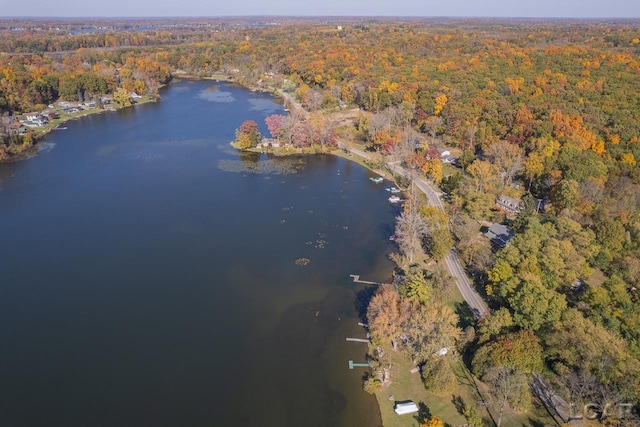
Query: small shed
[{"x": 406, "y": 408}]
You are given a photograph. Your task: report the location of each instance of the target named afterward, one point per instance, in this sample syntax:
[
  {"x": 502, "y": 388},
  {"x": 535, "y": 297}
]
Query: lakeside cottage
[
  {"x": 33, "y": 120},
  {"x": 268, "y": 143}
]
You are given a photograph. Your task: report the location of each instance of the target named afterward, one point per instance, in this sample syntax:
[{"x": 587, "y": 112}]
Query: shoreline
[
  {"x": 39, "y": 134},
  {"x": 39, "y": 143}
]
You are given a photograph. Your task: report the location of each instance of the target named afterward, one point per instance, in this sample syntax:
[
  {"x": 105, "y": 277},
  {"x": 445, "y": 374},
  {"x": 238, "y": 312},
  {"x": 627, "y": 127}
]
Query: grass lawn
[{"x": 408, "y": 386}]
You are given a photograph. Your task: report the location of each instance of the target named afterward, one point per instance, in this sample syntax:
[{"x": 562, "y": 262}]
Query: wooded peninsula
[{"x": 529, "y": 129}]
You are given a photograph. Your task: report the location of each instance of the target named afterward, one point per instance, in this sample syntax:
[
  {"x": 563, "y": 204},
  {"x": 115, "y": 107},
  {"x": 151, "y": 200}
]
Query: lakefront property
[{"x": 490, "y": 281}]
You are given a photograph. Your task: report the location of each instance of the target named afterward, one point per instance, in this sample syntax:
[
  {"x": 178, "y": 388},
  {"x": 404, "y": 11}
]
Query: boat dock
[
  {"x": 358, "y": 340},
  {"x": 352, "y": 365},
  {"x": 356, "y": 279}
]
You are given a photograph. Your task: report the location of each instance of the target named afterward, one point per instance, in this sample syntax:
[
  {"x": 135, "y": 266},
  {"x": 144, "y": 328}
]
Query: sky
[{"x": 428, "y": 8}]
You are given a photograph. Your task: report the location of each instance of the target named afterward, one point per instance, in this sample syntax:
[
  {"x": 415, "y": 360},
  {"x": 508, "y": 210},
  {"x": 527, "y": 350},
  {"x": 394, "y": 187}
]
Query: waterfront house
[{"x": 33, "y": 116}]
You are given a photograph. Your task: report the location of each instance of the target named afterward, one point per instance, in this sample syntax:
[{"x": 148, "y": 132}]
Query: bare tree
[
  {"x": 433, "y": 125},
  {"x": 471, "y": 132},
  {"x": 411, "y": 228},
  {"x": 508, "y": 386},
  {"x": 508, "y": 159},
  {"x": 378, "y": 122},
  {"x": 314, "y": 100}
]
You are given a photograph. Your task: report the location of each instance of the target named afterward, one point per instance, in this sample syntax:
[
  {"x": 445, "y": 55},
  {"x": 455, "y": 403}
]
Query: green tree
[
  {"x": 520, "y": 350},
  {"x": 437, "y": 375},
  {"x": 494, "y": 325},
  {"x": 533, "y": 305},
  {"x": 527, "y": 208},
  {"x": 122, "y": 97},
  {"x": 416, "y": 288},
  {"x": 439, "y": 241},
  {"x": 565, "y": 194}
]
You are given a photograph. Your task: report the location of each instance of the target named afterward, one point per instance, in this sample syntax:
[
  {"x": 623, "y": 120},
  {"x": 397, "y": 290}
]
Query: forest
[{"x": 546, "y": 112}]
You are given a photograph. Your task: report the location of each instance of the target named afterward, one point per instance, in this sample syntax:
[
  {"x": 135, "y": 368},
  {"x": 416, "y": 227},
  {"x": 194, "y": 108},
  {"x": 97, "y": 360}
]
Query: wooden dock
[
  {"x": 358, "y": 340},
  {"x": 352, "y": 365},
  {"x": 356, "y": 279}
]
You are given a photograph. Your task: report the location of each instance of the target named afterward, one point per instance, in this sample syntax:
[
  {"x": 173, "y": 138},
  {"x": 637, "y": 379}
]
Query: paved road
[
  {"x": 293, "y": 103},
  {"x": 554, "y": 403},
  {"x": 472, "y": 298}
]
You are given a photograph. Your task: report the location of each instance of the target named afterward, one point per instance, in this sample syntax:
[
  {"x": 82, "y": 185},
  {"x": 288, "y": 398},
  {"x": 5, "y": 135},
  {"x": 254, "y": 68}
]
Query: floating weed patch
[{"x": 275, "y": 167}]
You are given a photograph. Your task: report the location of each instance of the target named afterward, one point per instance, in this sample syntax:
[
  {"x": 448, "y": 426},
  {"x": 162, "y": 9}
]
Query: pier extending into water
[
  {"x": 358, "y": 340},
  {"x": 353, "y": 364},
  {"x": 356, "y": 279}
]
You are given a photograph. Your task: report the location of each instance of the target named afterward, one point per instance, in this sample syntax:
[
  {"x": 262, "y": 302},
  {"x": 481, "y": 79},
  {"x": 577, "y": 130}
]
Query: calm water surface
[{"x": 149, "y": 275}]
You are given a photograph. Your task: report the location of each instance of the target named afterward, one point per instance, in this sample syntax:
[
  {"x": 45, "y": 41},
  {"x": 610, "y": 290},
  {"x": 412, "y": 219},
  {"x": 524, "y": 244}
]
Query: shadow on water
[{"x": 362, "y": 301}]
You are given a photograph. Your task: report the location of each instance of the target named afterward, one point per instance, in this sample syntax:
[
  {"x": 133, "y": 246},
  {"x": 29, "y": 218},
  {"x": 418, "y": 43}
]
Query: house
[
  {"x": 90, "y": 104},
  {"x": 508, "y": 204},
  {"x": 33, "y": 120},
  {"x": 577, "y": 285},
  {"x": 268, "y": 142},
  {"x": 64, "y": 104},
  {"x": 50, "y": 115},
  {"x": 16, "y": 128},
  {"x": 444, "y": 153},
  {"x": 499, "y": 234},
  {"x": 450, "y": 160},
  {"x": 33, "y": 116},
  {"x": 38, "y": 123},
  {"x": 134, "y": 95}
]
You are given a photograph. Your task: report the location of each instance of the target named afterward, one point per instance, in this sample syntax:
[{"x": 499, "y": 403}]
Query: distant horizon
[
  {"x": 542, "y": 9},
  {"x": 414, "y": 17}
]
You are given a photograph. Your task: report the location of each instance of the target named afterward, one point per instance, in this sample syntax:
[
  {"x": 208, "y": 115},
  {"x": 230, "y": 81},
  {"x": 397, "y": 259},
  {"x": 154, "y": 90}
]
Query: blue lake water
[{"x": 149, "y": 274}]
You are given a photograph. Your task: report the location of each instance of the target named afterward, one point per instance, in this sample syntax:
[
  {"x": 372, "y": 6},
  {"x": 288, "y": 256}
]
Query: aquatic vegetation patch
[{"x": 274, "y": 167}]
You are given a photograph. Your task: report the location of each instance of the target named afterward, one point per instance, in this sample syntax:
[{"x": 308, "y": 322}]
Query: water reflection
[
  {"x": 251, "y": 163},
  {"x": 214, "y": 94}
]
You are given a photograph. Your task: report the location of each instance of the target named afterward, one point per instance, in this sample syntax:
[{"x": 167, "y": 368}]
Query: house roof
[
  {"x": 509, "y": 201},
  {"x": 499, "y": 234}
]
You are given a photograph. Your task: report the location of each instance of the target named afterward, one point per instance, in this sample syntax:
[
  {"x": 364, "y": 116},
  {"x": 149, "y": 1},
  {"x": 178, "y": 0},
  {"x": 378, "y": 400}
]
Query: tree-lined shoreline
[{"x": 541, "y": 123}]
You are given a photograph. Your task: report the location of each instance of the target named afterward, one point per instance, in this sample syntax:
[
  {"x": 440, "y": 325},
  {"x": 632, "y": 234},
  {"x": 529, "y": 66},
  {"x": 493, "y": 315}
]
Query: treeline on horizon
[{"x": 553, "y": 106}]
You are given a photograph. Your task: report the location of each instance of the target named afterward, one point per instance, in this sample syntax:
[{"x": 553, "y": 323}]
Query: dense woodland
[{"x": 547, "y": 112}]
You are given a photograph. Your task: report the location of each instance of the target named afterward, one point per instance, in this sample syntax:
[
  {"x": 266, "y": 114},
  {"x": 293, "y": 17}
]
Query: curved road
[
  {"x": 469, "y": 294},
  {"x": 473, "y": 299}
]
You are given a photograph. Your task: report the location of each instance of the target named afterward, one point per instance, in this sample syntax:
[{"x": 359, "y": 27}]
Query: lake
[{"x": 153, "y": 276}]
